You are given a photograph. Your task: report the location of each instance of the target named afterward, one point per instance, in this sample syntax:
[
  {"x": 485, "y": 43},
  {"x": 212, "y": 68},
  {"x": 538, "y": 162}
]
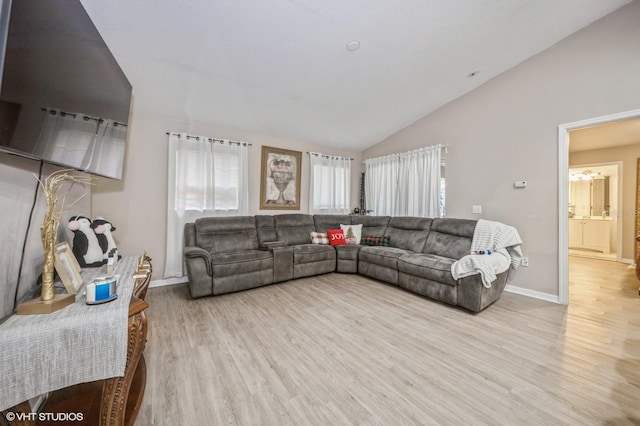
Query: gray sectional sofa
[{"x": 226, "y": 254}]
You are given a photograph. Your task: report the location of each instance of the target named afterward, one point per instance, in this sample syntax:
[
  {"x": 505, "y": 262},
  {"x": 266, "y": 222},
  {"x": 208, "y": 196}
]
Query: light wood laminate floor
[{"x": 343, "y": 349}]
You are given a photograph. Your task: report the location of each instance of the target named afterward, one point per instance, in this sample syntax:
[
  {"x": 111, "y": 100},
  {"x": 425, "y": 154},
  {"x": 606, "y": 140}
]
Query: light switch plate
[{"x": 476, "y": 209}]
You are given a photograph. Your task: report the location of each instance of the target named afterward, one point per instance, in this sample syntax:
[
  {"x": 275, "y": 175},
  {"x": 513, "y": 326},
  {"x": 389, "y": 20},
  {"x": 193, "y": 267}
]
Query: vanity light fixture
[{"x": 586, "y": 175}]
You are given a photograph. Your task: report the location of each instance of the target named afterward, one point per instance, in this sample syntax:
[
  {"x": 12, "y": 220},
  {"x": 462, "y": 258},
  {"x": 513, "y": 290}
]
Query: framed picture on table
[
  {"x": 280, "y": 179},
  {"x": 68, "y": 268}
]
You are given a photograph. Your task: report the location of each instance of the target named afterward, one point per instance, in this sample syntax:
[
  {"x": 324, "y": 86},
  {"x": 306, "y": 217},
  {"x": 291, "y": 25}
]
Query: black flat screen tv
[{"x": 64, "y": 99}]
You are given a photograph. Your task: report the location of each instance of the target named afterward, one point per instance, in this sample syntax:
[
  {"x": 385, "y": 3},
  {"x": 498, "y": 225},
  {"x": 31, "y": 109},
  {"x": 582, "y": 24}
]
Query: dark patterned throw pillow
[{"x": 375, "y": 241}]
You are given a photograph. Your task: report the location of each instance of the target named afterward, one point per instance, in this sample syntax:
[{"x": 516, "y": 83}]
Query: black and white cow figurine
[
  {"x": 103, "y": 230},
  {"x": 86, "y": 247}
]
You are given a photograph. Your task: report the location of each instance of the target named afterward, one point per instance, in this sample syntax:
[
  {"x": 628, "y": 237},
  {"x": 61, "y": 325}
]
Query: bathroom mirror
[
  {"x": 589, "y": 197},
  {"x": 600, "y": 197}
]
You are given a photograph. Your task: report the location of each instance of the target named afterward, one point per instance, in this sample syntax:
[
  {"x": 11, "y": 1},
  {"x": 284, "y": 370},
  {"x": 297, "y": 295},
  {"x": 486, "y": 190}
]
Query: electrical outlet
[
  {"x": 525, "y": 261},
  {"x": 476, "y": 209}
]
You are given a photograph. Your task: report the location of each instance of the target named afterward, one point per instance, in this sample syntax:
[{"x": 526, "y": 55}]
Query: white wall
[
  {"x": 136, "y": 205},
  {"x": 506, "y": 130}
]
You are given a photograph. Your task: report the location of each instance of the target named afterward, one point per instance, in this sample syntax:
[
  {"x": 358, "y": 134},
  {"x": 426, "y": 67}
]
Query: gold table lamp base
[{"x": 37, "y": 306}]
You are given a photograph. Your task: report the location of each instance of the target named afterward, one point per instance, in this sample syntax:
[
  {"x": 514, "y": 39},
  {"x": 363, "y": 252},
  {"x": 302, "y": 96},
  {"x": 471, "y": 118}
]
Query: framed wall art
[{"x": 280, "y": 179}]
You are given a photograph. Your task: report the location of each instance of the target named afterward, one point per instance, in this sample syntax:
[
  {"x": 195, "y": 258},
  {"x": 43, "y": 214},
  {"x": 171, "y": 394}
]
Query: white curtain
[
  {"x": 329, "y": 184},
  {"x": 206, "y": 177},
  {"x": 405, "y": 184}
]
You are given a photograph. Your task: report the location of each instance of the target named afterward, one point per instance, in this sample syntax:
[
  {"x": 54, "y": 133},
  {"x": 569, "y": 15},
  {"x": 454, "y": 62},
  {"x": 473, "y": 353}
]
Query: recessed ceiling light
[
  {"x": 473, "y": 74},
  {"x": 352, "y": 46}
]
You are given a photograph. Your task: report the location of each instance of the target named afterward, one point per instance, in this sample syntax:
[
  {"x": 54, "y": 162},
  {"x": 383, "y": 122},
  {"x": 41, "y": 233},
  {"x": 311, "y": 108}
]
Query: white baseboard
[
  {"x": 167, "y": 281},
  {"x": 532, "y": 293}
]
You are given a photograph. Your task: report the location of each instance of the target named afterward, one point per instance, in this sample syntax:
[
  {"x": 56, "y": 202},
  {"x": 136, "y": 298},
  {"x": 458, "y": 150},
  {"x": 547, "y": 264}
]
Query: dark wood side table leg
[{"x": 115, "y": 391}]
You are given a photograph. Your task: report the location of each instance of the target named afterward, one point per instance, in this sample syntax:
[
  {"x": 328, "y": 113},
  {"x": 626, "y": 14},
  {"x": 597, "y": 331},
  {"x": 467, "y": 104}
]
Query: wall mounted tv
[{"x": 64, "y": 99}]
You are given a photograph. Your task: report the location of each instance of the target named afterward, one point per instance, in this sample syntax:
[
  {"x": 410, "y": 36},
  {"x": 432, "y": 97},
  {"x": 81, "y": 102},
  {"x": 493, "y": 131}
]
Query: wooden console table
[{"x": 111, "y": 401}]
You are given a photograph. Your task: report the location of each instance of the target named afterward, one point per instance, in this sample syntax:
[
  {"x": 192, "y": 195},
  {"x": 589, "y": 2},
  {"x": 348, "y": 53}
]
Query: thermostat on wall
[{"x": 520, "y": 184}]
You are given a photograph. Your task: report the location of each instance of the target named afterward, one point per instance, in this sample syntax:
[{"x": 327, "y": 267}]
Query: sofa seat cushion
[
  {"x": 429, "y": 266},
  {"x": 382, "y": 256},
  {"x": 307, "y": 253},
  {"x": 241, "y": 262},
  {"x": 348, "y": 252}
]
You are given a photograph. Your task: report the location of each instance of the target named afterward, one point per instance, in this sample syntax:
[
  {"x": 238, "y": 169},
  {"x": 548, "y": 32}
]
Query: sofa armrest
[
  {"x": 474, "y": 296},
  {"x": 199, "y": 253},
  {"x": 270, "y": 245}
]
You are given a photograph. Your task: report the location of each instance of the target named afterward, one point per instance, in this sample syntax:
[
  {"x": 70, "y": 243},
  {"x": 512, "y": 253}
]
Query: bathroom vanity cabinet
[{"x": 590, "y": 233}]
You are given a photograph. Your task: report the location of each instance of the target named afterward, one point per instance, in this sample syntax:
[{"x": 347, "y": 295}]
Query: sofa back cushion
[
  {"x": 190, "y": 234},
  {"x": 372, "y": 226},
  {"x": 450, "y": 237},
  {"x": 226, "y": 234},
  {"x": 266, "y": 227},
  {"x": 324, "y": 222},
  {"x": 294, "y": 229},
  {"x": 408, "y": 233}
]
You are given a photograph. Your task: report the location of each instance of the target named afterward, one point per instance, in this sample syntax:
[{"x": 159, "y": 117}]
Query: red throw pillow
[{"x": 336, "y": 237}]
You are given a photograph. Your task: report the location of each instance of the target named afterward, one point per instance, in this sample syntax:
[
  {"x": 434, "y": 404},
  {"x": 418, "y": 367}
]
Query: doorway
[
  {"x": 595, "y": 196},
  {"x": 563, "y": 192}
]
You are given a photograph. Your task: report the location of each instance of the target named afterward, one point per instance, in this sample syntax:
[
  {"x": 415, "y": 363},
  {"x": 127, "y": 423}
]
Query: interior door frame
[{"x": 563, "y": 196}]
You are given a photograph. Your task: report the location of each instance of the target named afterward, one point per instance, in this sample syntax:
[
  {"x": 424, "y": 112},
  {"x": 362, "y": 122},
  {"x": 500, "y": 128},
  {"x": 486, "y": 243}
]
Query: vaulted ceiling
[{"x": 282, "y": 68}]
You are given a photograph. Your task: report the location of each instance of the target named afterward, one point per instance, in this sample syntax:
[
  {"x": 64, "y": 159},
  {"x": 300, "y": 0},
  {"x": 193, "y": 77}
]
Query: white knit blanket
[{"x": 504, "y": 243}]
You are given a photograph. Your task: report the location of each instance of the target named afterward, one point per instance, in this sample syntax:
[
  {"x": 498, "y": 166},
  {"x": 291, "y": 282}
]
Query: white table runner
[{"x": 79, "y": 343}]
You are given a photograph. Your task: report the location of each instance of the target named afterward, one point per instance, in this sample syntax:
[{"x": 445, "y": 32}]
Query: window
[
  {"x": 210, "y": 179},
  {"x": 329, "y": 184},
  {"x": 406, "y": 184},
  {"x": 207, "y": 177}
]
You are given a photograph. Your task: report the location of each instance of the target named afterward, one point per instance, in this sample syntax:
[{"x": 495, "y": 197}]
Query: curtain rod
[
  {"x": 214, "y": 139},
  {"x": 317, "y": 154},
  {"x": 75, "y": 115},
  {"x": 397, "y": 154}
]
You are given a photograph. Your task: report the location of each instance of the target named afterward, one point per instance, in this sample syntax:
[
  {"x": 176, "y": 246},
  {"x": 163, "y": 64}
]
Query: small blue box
[{"x": 101, "y": 290}]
